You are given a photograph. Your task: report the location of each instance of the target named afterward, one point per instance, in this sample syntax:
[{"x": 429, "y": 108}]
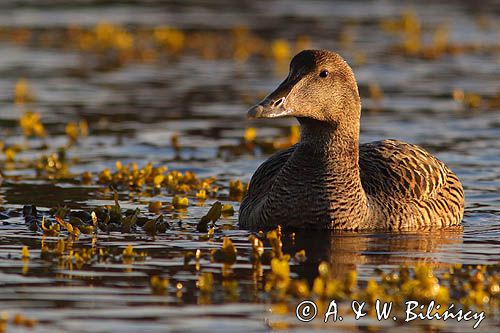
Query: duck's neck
[
  {"x": 330, "y": 153},
  {"x": 331, "y": 141}
]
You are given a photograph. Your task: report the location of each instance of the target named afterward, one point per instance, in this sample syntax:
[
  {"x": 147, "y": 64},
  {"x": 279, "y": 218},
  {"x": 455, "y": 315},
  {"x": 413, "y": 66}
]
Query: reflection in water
[{"x": 347, "y": 251}]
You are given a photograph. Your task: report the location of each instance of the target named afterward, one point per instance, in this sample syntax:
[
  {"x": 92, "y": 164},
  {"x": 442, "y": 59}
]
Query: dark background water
[{"x": 133, "y": 109}]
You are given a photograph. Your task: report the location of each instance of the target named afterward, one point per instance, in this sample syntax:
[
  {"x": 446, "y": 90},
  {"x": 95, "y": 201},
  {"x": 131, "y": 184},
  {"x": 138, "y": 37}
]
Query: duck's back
[{"x": 406, "y": 187}]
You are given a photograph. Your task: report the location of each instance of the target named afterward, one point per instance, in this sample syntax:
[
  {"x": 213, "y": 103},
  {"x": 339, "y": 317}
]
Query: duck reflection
[{"x": 346, "y": 250}]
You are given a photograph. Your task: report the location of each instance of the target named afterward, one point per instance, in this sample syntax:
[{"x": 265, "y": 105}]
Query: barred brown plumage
[{"x": 328, "y": 180}]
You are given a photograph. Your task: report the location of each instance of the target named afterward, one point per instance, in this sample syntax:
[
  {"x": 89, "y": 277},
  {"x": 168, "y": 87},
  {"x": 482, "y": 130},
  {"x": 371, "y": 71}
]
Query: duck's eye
[{"x": 323, "y": 73}]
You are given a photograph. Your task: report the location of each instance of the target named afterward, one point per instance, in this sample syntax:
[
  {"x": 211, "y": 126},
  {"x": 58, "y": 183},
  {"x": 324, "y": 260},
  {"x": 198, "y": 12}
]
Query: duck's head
[{"x": 320, "y": 86}]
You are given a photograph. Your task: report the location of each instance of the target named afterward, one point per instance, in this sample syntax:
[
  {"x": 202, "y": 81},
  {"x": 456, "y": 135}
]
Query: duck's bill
[
  {"x": 267, "y": 111},
  {"x": 275, "y": 104}
]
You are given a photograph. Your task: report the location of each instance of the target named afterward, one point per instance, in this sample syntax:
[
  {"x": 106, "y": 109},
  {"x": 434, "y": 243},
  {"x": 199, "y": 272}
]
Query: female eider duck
[{"x": 328, "y": 180}]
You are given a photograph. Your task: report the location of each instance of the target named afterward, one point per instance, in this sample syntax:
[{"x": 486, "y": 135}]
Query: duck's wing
[
  {"x": 400, "y": 170},
  {"x": 409, "y": 181},
  {"x": 260, "y": 185}
]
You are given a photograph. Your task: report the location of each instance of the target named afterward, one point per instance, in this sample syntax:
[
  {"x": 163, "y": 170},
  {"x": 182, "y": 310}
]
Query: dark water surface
[{"x": 133, "y": 110}]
